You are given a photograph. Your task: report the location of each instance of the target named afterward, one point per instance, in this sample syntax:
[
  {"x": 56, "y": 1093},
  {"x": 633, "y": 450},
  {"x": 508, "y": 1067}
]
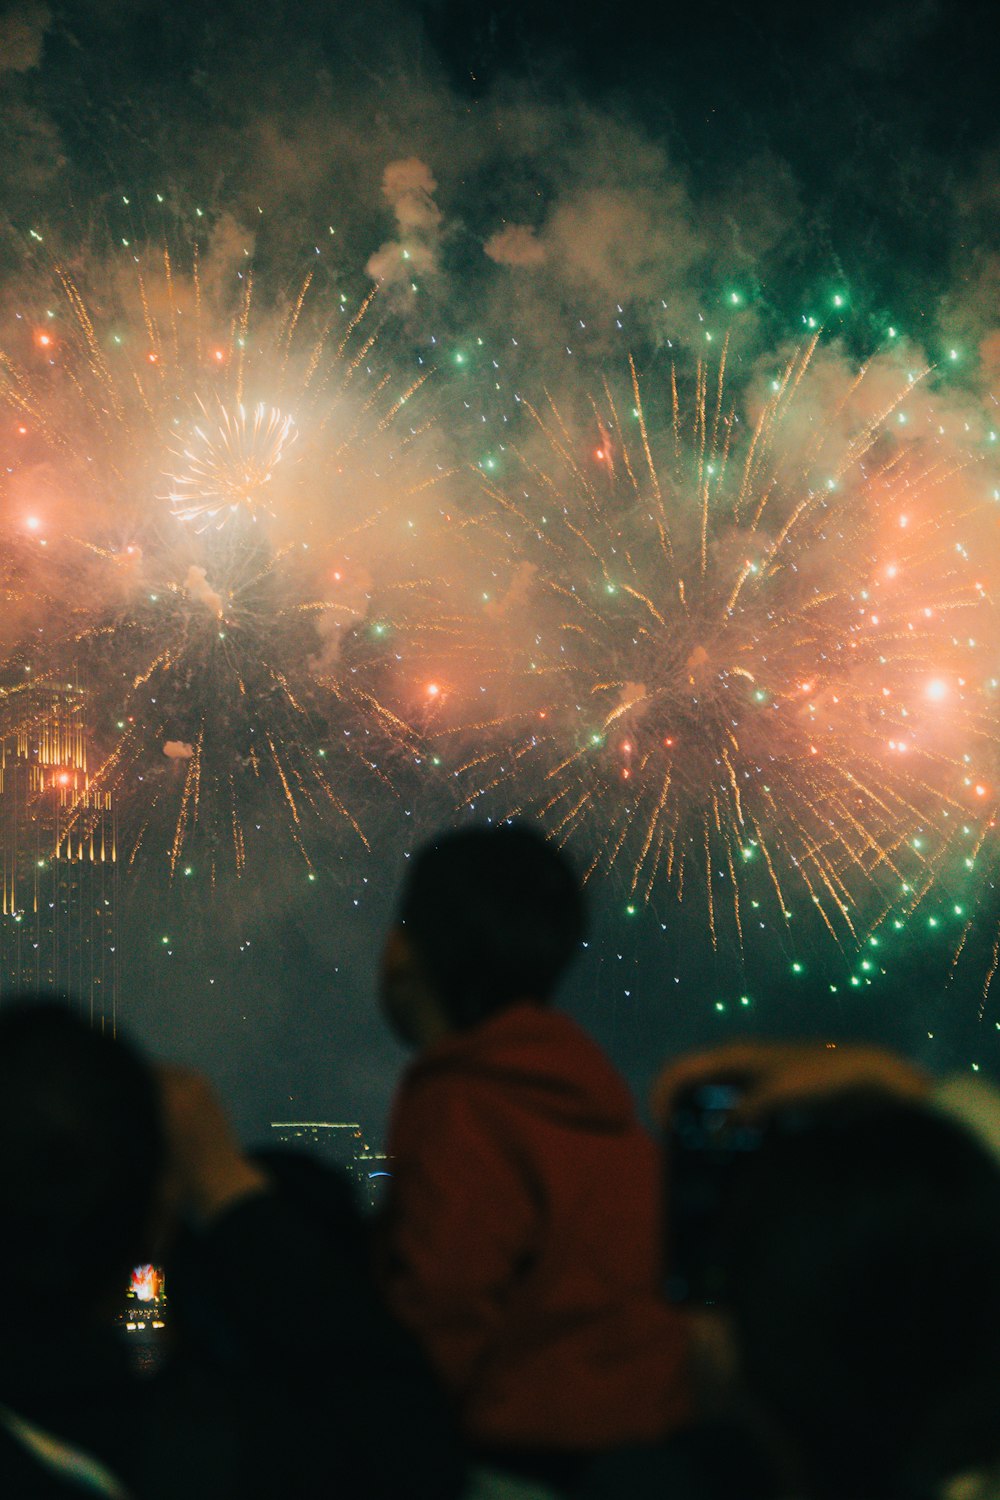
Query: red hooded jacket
[{"x": 522, "y": 1238}]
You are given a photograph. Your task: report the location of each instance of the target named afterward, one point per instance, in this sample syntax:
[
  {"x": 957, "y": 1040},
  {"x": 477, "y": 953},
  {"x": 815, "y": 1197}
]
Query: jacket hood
[{"x": 543, "y": 1058}]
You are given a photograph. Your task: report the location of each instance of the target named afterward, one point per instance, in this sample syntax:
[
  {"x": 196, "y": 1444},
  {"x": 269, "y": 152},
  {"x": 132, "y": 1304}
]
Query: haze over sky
[{"x": 557, "y": 166}]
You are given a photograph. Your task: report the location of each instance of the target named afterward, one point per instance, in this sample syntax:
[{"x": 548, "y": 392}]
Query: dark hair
[
  {"x": 494, "y": 915},
  {"x": 81, "y": 1153},
  {"x": 864, "y": 1245}
]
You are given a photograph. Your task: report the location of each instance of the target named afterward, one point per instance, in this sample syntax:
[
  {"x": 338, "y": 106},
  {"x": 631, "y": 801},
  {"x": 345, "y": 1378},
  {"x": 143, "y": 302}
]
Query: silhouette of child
[{"x": 521, "y": 1237}]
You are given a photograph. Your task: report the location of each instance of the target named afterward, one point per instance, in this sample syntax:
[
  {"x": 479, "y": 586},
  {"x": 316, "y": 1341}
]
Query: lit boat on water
[{"x": 145, "y": 1301}]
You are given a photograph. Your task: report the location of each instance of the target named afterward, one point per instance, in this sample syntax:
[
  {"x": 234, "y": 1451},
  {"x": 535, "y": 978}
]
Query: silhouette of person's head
[
  {"x": 487, "y": 917},
  {"x": 863, "y": 1245},
  {"x": 81, "y": 1159}
]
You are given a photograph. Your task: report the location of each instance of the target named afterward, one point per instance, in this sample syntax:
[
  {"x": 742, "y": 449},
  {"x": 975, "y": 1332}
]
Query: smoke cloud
[
  {"x": 408, "y": 186},
  {"x": 22, "y": 37},
  {"x": 515, "y": 245},
  {"x": 199, "y": 589}
]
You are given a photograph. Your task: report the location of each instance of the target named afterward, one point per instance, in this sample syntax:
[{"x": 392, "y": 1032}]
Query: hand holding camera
[{"x": 718, "y": 1109}]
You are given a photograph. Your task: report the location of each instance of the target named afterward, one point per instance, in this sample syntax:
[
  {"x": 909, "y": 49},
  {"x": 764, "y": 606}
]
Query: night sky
[{"x": 838, "y": 164}]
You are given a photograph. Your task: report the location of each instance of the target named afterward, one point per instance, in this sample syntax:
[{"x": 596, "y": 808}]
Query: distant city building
[
  {"x": 339, "y": 1141},
  {"x": 343, "y": 1144},
  {"x": 58, "y": 856}
]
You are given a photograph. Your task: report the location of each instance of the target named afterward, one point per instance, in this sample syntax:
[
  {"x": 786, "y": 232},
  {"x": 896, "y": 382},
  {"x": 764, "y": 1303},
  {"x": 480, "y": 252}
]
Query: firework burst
[
  {"x": 189, "y": 517},
  {"x": 228, "y": 463},
  {"x": 746, "y": 654}
]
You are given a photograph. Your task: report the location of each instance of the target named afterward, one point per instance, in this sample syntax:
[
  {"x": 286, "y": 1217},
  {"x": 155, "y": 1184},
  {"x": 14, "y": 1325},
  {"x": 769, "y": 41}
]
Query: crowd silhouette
[{"x": 790, "y": 1293}]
